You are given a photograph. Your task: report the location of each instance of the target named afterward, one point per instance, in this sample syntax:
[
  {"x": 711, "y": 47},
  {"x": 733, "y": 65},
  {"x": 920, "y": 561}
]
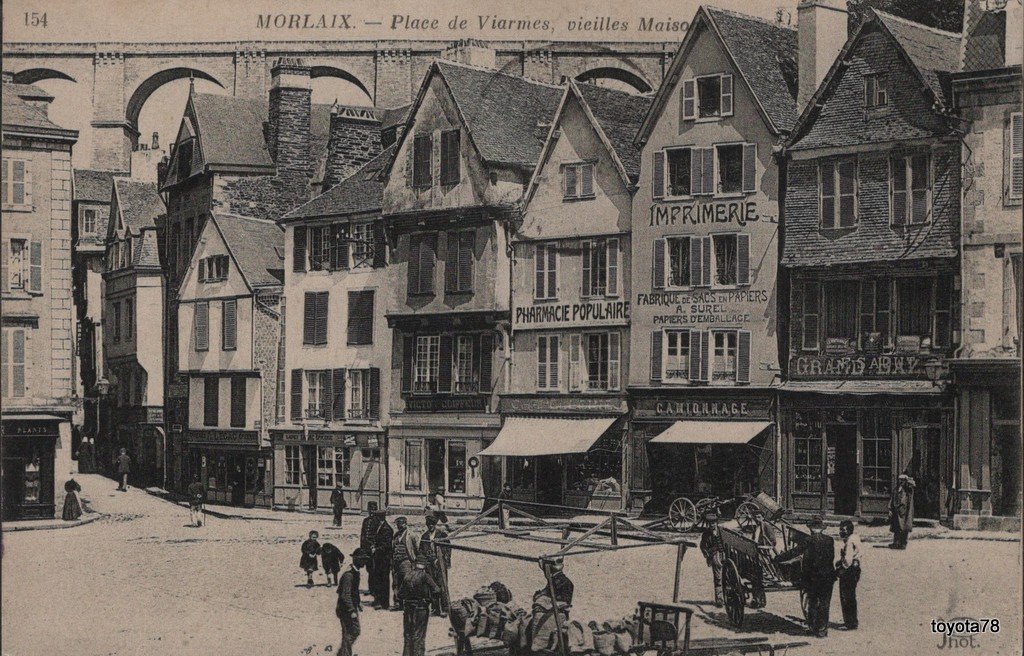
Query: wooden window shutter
[
  {"x": 575, "y": 346},
  {"x": 749, "y": 167},
  {"x": 28, "y": 184},
  {"x": 725, "y": 106},
  {"x": 656, "y": 354},
  {"x": 898, "y": 182},
  {"x": 380, "y": 246},
  {"x": 695, "y": 355},
  {"x": 4, "y": 359},
  {"x": 322, "y": 302},
  {"x": 743, "y": 356},
  {"x": 587, "y": 179},
  {"x": 229, "y": 325},
  {"x": 408, "y": 361},
  {"x": 1015, "y": 186},
  {"x": 486, "y": 362},
  {"x": 413, "y": 282},
  {"x": 446, "y": 363},
  {"x": 708, "y": 173},
  {"x": 374, "y": 393},
  {"x": 689, "y": 99},
  {"x": 696, "y": 171},
  {"x": 360, "y": 317},
  {"x": 742, "y": 259},
  {"x": 696, "y": 257},
  {"x": 238, "y": 384},
  {"x": 337, "y": 398},
  {"x": 587, "y": 249},
  {"x": 612, "y": 270},
  {"x": 705, "y": 361},
  {"x": 451, "y": 262},
  {"x": 296, "y": 394},
  {"x": 211, "y": 400},
  {"x": 428, "y": 252},
  {"x": 705, "y": 261},
  {"x": 570, "y": 183},
  {"x": 202, "y": 270},
  {"x": 614, "y": 360},
  {"x": 467, "y": 244},
  {"x": 299, "y": 249},
  {"x": 658, "y": 174},
  {"x": 796, "y": 321},
  {"x": 4, "y": 271},
  {"x": 309, "y": 318},
  {"x": 202, "y": 326},
  {"x": 35, "y": 279},
  {"x": 658, "y": 273}
]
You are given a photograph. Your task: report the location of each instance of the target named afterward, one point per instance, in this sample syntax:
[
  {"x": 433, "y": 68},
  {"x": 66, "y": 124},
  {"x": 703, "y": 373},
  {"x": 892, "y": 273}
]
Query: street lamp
[{"x": 934, "y": 369}]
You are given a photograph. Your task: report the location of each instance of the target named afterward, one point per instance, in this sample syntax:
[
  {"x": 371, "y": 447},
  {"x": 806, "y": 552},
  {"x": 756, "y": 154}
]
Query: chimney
[
  {"x": 821, "y": 34},
  {"x": 288, "y": 122},
  {"x": 472, "y": 52},
  {"x": 354, "y": 140},
  {"x": 1014, "y": 32}
]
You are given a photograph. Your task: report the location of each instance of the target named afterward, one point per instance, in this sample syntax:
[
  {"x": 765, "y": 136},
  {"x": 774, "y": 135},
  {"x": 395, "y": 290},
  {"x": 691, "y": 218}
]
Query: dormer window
[
  {"x": 88, "y": 222},
  {"x": 707, "y": 97},
  {"x": 875, "y": 91},
  {"x": 185, "y": 159}
]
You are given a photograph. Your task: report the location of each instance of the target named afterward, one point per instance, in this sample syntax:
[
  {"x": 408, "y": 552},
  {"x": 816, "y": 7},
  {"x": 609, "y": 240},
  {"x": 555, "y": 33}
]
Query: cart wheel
[
  {"x": 746, "y": 514},
  {"x": 682, "y": 514},
  {"x": 732, "y": 586}
]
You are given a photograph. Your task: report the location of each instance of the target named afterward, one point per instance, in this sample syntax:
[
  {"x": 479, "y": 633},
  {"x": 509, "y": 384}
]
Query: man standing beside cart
[
  {"x": 817, "y": 573},
  {"x": 440, "y": 559},
  {"x": 714, "y": 553}
]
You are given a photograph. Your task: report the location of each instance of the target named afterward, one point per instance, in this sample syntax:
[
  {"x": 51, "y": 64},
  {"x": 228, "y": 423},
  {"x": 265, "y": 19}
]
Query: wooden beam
[{"x": 473, "y": 522}]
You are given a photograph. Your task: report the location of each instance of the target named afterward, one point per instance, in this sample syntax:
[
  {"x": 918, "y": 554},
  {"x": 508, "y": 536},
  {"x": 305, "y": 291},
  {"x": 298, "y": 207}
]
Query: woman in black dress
[
  {"x": 310, "y": 550},
  {"x": 72, "y": 504}
]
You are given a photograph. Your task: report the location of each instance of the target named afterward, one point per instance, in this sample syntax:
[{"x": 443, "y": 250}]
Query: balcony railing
[
  {"x": 424, "y": 386},
  {"x": 466, "y": 387},
  {"x": 358, "y": 413}
]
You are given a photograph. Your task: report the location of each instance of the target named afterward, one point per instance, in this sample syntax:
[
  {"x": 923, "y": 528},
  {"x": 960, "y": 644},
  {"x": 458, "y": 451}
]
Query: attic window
[
  {"x": 213, "y": 268},
  {"x": 185, "y": 159},
  {"x": 707, "y": 97},
  {"x": 875, "y": 91}
]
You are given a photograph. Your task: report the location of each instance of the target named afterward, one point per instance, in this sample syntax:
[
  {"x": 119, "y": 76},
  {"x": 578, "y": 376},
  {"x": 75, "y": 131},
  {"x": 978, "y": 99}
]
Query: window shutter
[
  {"x": 898, "y": 178},
  {"x": 486, "y": 362},
  {"x": 554, "y": 360},
  {"x": 28, "y": 185},
  {"x": 322, "y": 299},
  {"x": 413, "y": 282},
  {"x": 705, "y": 337},
  {"x": 4, "y": 359},
  {"x": 340, "y": 247},
  {"x": 451, "y": 262},
  {"x": 35, "y": 280},
  {"x": 552, "y": 271},
  {"x": 202, "y": 326},
  {"x": 726, "y": 105},
  {"x": 374, "y": 393},
  {"x": 338, "y": 394},
  {"x": 446, "y": 363},
  {"x": 708, "y": 173},
  {"x": 659, "y": 264},
  {"x": 689, "y": 99},
  {"x": 743, "y": 356},
  {"x": 742, "y": 259},
  {"x": 658, "y": 174},
  {"x": 18, "y": 382},
  {"x": 4, "y": 272},
  {"x": 537, "y": 255},
  {"x": 656, "y": 354},
  {"x": 614, "y": 355},
  {"x": 695, "y": 355},
  {"x": 309, "y": 318},
  {"x": 299, "y": 249},
  {"x": 229, "y": 317},
  {"x": 542, "y": 362},
  {"x": 296, "y": 394},
  {"x": 238, "y": 384},
  {"x": 211, "y": 401},
  {"x": 796, "y": 325},
  {"x": 1016, "y": 155},
  {"x": 586, "y": 250},
  {"x": 380, "y": 247},
  {"x": 467, "y": 243},
  {"x": 587, "y": 180},
  {"x": 569, "y": 181},
  {"x": 428, "y": 251},
  {"x": 696, "y": 171},
  {"x": 408, "y": 348},
  {"x": 360, "y": 318},
  {"x": 749, "y": 167},
  {"x": 613, "y": 267},
  {"x": 574, "y": 361},
  {"x": 696, "y": 268},
  {"x": 705, "y": 261},
  {"x": 202, "y": 270}
]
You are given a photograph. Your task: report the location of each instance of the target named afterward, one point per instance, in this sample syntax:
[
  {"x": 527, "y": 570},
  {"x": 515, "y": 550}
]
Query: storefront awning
[
  {"x": 711, "y": 432},
  {"x": 542, "y": 436}
]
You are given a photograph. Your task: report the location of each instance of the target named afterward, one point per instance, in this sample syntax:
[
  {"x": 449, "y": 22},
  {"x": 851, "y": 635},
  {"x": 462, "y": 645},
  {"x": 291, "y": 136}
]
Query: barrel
[{"x": 772, "y": 510}]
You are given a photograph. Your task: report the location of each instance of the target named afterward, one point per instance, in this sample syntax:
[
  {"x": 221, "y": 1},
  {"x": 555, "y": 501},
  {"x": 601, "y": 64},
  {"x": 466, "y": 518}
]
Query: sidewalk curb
[
  {"x": 165, "y": 496},
  {"x": 46, "y": 526}
]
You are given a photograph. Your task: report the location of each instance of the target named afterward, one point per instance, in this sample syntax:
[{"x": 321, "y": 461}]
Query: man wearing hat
[
  {"x": 714, "y": 553},
  {"x": 817, "y": 573},
  {"x": 404, "y": 548},
  {"x": 416, "y": 592},
  {"x": 562, "y": 584},
  {"x": 901, "y": 511},
  {"x": 380, "y": 569},
  {"x": 439, "y": 559},
  {"x": 348, "y": 607}
]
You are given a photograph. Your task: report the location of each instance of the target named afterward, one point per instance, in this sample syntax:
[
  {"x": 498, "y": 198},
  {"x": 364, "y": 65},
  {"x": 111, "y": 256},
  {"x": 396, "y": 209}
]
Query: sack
[
  {"x": 501, "y": 592},
  {"x": 485, "y": 596},
  {"x": 462, "y": 614},
  {"x": 623, "y": 642},
  {"x": 604, "y": 643},
  {"x": 510, "y": 632},
  {"x": 481, "y": 625},
  {"x": 497, "y": 614}
]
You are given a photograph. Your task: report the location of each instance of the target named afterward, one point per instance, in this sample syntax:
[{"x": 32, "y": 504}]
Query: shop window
[
  {"x": 876, "y": 440},
  {"x": 837, "y": 193},
  {"x": 730, "y": 168},
  {"x": 202, "y": 325},
  {"x": 458, "y": 269},
  {"x": 723, "y": 366},
  {"x": 521, "y": 475},
  {"x": 841, "y": 298},
  {"x": 314, "y": 318},
  {"x": 807, "y": 453},
  {"x": 876, "y": 93},
  {"x": 545, "y": 284},
  {"x": 12, "y": 361},
  {"x": 600, "y": 267},
  {"x": 413, "y": 460},
  {"x": 333, "y": 466},
  {"x": 677, "y": 355},
  {"x": 318, "y": 392},
  {"x": 547, "y": 363},
  {"x": 360, "y": 318},
  {"x": 578, "y": 180},
  {"x": 16, "y": 185},
  {"x": 457, "y": 467},
  {"x": 422, "y": 148},
  {"x": 294, "y": 474},
  {"x": 450, "y": 157},
  {"x": 465, "y": 378},
  {"x": 910, "y": 189},
  {"x": 426, "y": 364},
  {"x": 679, "y": 162},
  {"x": 211, "y": 400},
  {"x": 678, "y": 261}
]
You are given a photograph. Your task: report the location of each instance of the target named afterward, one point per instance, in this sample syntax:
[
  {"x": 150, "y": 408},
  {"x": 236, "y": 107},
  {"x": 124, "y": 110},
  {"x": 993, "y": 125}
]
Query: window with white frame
[
  {"x": 358, "y": 393},
  {"x": 837, "y": 193},
  {"x": 726, "y": 249},
  {"x": 707, "y": 97},
  {"x": 723, "y": 364},
  {"x": 362, "y": 245},
  {"x": 910, "y": 187},
  {"x": 317, "y": 386},
  {"x": 293, "y": 471},
  {"x": 875, "y": 91},
  {"x": 677, "y": 355},
  {"x": 600, "y": 267},
  {"x": 679, "y": 161},
  {"x": 426, "y": 366},
  {"x": 88, "y": 225},
  {"x": 16, "y": 184},
  {"x": 545, "y": 283},
  {"x": 547, "y": 363},
  {"x": 578, "y": 180},
  {"x": 601, "y": 358},
  {"x": 464, "y": 377},
  {"x": 412, "y": 458},
  {"x": 333, "y": 466},
  {"x": 320, "y": 241},
  {"x": 18, "y": 264},
  {"x": 678, "y": 261}
]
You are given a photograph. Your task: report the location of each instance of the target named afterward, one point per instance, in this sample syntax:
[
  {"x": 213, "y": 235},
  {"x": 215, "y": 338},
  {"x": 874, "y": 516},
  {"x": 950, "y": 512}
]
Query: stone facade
[{"x": 354, "y": 141}]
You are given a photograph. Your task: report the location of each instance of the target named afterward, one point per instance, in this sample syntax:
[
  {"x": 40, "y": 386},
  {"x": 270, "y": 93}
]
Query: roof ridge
[
  {"x": 756, "y": 19},
  {"x": 907, "y": 21},
  {"x": 493, "y": 71},
  {"x": 626, "y": 94},
  {"x": 247, "y": 218}
]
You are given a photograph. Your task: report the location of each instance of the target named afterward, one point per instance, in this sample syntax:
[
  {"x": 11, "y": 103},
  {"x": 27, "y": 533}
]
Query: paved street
[{"x": 141, "y": 581}]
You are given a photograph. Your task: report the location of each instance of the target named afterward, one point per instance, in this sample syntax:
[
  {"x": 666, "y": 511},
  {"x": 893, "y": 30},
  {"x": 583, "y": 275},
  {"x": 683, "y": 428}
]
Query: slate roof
[
  {"x": 389, "y": 118},
  {"x": 93, "y": 186},
  {"x": 257, "y": 246},
  {"x": 29, "y": 91},
  {"x": 361, "y": 192},
  {"x": 619, "y": 114},
  {"x": 934, "y": 52},
  {"x": 138, "y": 203},
  {"x": 231, "y": 130},
  {"x": 508, "y": 117},
  {"x": 146, "y": 252},
  {"x": 17, "y": 113},
  {"x": 766, "y": 55},
  {"x": 984, "y": 41}
]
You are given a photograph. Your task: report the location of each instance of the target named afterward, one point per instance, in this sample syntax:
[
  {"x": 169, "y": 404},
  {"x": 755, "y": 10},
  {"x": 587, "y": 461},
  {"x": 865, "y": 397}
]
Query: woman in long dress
[{"x": 72, "y": 503}]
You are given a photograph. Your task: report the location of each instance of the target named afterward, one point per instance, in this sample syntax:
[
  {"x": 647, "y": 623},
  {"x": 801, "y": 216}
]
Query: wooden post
[
  {"x": 502, "y": 524},
  {"x": 615, "y": 531},
  {"x": 680, "y": 552},
  {"x": 563, "y": 649}
]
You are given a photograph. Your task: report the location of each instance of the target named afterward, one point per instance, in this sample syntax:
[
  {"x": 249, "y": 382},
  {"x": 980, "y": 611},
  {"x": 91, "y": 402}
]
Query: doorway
[
  {"x": 841, "y": 469},
  {"x": 435, "y": 467},
  {"x": 549, "y": 479},
  {"x": 924, "y": 469}
]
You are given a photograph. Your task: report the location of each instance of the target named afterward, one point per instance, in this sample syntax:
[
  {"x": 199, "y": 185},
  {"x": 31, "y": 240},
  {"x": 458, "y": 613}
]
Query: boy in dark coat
[
  {"x": 349, "y": 606},
  {"x": 310, "y": 550},
  {"x": 331, "y": 558},
  {"x": 338, "y": 504}
]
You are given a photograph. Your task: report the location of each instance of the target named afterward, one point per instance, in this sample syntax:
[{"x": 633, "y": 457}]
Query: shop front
[
  {"x": 701, "y": 443},
  {"x": 310, "y": 465},
  {"x": 845, "y": 443},
  {"x": 233, "y": 465},
  {"x": 30, "y": 445}
]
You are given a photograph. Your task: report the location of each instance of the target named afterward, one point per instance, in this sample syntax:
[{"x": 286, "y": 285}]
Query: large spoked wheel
[
  {"x": 682, "y": 514},
  {"x": 747, "y": 514},
  {"x": 732, "y": 586}
]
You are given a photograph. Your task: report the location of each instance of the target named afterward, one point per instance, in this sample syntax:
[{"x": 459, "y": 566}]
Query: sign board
[
  {"x": 724, "y": 407},
  {"x": 856, "y": 366},
  {"x": 333, "y": 438},
  {"x": 248, "y": 438},
  {"x": 705, "y": 212},
  {"x": 571, "y": 315},
  {"x": 477, "y": 403},
  {"x": 15, "y": 428}
]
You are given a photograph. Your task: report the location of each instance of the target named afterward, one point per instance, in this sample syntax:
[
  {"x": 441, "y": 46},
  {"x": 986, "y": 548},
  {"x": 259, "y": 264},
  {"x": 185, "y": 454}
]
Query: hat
[
  {"x": 432, "y": 520},
  {"x": 360, "y": 554},
  {"x": 314, "y": 534},
  {"x": 401, "y": 520},
  {"x": 818, "y": 521}
]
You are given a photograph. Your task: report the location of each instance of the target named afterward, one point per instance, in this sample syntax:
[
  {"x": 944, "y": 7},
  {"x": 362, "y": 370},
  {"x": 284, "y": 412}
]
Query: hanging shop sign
[{"x": 569, "y": 315}]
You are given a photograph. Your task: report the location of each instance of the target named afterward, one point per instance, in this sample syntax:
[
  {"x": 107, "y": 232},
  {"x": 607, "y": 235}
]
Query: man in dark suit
[
  {"x": 348, "y": 607},
  {"x": 817, "y": 573}
]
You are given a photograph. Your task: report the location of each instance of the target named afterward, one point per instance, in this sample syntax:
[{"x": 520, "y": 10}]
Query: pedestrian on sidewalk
[
  {"x": 72, "y": 503},
  {"x": 436, "y": 506},
  {"x": 404, "y": 548},
  {"x": 310, "y": 550},
  {"x": 440, "y": 560},
  {"x": 331, "y": 558},
  {"x": 380, "y": 576},
  {"x": 124, "y": 467},
  {"x": 196, "y": 500},
  {"x": 901, "y": 511},
  {"x": 817, "y": 574},
  {"x": 417, "y": 590},
  {"x": 338, "y": 504},
  {"x": 367, "y": 534},
  {"x": 714, "y": 553},
  {"x": 848, "y": 569},
  {"x": 349, "y": 606}
]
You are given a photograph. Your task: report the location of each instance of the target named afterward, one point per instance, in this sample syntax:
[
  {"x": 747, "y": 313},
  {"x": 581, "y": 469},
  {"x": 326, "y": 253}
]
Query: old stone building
[{"x": 37, "y": 350}]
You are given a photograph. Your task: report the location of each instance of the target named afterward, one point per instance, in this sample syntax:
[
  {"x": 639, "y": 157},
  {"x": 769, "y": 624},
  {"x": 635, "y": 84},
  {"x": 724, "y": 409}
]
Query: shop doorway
[
  {"x": 237, "y": 482},
  {"x": 312, "y": 473},
  {"x": 841, "y": 467},
  {"x": 549, "y": 479},
  {"x": 924, "y": 469},
  {"x": 435, "y": 466}
]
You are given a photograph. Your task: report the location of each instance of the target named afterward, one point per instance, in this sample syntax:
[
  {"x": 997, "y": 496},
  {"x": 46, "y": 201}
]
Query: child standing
[
  {"x": 331, "y": 558},
  {"x": 310, "y": 550}
]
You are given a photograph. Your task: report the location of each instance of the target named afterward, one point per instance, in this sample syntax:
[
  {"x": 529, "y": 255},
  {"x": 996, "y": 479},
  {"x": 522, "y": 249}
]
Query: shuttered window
[
  {"x": 16, "y": 186},
  {"x": 314, "y": 318},
  {"x": 422, "y": 148},
  {"x": 202, "y": 328},
  {"x": 459, "y": 261},
  {"x": 657, "y": 339},
  {"x": 837, "y": 193},
  {"x": 702, "y": 171},
  {"x": 676, "y": 356},
  {"x": 296, "y": 394},
  {"x": 422, "y": 249},
  {"x": 601, "y": 355},
  {"x": 426, "y": 363},
  {"x": 238, "y": 384},
  {"x": 578, "y": 180},
  {"x": 910, "y": 189},
  {"x": 689, "y": 99},
  {"x": 12, "y": 354},
  {"x": 707, "y": 97},
  {"x": 360, "y": 318},
  {"x": 211, "y": 400},
  {"x": 450, "y": 161},
  {"x": 229, "y": 325},
  {"x": 1015, "y": 157},
  {"x": 600, "y": 267},
  {"x": 547, "y": 363},
  {"x": 658, "y": 174},
  {"x": 811, "y": 315},
  {"x": 680, "y": 169},
  {"x": 545, "y": 269},
  {"x": 338, "y": 247},
  {"x": 299, "y": 249}
]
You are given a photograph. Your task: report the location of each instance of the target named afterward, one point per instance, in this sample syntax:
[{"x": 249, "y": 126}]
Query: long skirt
[{"x": 72, "y": 507}]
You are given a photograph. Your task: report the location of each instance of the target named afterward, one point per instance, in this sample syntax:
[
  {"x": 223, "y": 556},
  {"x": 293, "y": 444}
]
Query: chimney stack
[
  {"x": 288, "y": 122},
  {"x": 354, "y": 140},
  {"x": 472, "y": 52},
  {"x": 821, "y": 34}
]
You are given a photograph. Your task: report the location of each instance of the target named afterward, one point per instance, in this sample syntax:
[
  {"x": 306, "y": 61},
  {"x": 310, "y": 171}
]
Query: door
[
  {"x": 549, "y": 479},
  {"x": 924, "y": 469},
  {"x": 309, "y": 456},
  {"x": 841, "y": 470},
  {"x": 435, "y": 467},
  {"x": 14, "y": 487}
]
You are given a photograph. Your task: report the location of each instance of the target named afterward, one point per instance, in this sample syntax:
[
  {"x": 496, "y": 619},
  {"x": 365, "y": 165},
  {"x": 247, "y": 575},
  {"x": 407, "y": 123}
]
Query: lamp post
[{"x": 934, "y": 370}]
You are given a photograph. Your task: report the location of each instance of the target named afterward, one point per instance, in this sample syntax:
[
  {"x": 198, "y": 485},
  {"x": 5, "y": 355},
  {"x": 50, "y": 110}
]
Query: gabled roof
[
  {"x": 29, "y": 92},
  {"x": 147, "y": 253},
  {"x": 231, "y": 130},
  {"x": 361, "y": 192},
  {"x": 20, "y": 115},
  {"x": 94, "y": 186},
  {"x": 257, "y": 246},
  {"x": 618, "y": 116},
  {"x": 764, "y": 54},
  {"x": 138, "y": 204}
]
